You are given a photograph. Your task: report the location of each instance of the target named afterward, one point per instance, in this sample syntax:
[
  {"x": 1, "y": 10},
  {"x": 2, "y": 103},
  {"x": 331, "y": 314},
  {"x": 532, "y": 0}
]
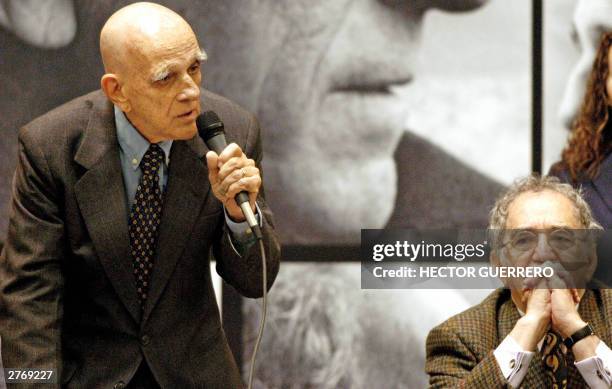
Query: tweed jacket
[
  {"x": 460, "y": 350},
  {"x": 67, "y": 293}
]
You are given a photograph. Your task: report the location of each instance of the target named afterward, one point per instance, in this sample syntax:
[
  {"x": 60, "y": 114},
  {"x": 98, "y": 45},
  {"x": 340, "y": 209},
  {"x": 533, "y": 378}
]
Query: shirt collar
[{"x": 132, "y": 143}]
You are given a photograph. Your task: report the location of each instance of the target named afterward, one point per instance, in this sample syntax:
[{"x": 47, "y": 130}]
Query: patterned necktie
[
  {"x": 553, "y": 355},
  {"x": 145, "y": 218}
]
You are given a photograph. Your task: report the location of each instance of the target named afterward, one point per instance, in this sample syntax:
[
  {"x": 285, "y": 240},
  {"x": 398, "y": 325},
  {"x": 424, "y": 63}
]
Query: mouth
[
  {"x": 189, "y": 114},
  {"x": 368, "y": 110},
  {"x": 373, "y": 86}
]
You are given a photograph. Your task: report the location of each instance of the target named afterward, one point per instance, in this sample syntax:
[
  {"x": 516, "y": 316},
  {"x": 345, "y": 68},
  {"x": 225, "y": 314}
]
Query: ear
[{"x": 113, "y": 89}]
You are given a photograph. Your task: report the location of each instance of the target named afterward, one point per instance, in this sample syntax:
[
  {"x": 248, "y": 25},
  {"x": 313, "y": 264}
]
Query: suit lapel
[
  {"x": 508, "y": 316},
  {"x": 100, "y": 193},
  {"x": 186, "y": 192}
]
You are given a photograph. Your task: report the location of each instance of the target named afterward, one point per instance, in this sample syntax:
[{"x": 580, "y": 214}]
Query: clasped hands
[
  {"x": 230, "y": 173},
  {"x": 550, "y": 303}
]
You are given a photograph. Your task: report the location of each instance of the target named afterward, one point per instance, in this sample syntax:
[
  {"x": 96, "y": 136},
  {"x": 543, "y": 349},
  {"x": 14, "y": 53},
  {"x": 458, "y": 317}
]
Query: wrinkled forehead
[
  {"x": 146, "y": 50},
  {"x": 541, "y": 210}
]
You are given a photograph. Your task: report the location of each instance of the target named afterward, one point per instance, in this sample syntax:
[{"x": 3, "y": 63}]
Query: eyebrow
[
  {"x": 563, "y": 226},
  {"x": 163, "y": 69}
]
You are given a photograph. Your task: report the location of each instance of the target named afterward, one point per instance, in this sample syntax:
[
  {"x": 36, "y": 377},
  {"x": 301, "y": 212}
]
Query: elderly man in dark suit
[
  {"x": 538, "y": 332},
  {"x": 105, "y": 272}
]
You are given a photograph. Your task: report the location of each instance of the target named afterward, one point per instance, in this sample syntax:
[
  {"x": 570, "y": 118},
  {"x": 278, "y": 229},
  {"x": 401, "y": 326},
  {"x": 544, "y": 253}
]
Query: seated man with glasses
[{"x": 545, "y": 332}]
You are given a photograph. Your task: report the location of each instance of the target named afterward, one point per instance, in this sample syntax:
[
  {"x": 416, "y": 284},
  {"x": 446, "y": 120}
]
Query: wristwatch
[{"x": 579, "y": 335}]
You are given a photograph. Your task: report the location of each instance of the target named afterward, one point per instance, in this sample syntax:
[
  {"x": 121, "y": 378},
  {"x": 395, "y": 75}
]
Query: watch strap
[{"x": 579, "y": 335}]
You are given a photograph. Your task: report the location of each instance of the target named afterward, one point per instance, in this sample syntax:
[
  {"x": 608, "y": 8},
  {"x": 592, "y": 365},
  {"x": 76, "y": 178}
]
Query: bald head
[
  {"x": 152, "y": 70},
  {"x": 134, "y": 30}
]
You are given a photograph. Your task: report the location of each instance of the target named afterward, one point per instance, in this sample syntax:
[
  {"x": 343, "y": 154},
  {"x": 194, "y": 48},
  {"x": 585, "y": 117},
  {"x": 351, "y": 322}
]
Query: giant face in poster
[
  {"x": 366, "y": 113},
  {"x": 326, "y": 80}
]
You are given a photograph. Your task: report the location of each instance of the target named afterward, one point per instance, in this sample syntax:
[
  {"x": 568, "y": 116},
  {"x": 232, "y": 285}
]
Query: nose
[
  {"x": 457, "y": 5},
  {"x": 191, "y": 90},
  {"x": 543, "y": 252},
  {"x": 419, "y": 7}
]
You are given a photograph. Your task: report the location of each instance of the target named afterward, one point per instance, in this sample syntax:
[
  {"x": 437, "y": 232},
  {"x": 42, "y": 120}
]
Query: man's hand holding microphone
[{"x": 230, "y": 173}]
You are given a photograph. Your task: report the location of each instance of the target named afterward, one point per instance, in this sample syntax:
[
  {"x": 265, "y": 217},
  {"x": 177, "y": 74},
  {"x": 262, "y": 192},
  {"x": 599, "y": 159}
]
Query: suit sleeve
[
  {"x": 245, "y": 272},
  {"x": 31, "y": 281},
  {"x": 451, "y": 364}
]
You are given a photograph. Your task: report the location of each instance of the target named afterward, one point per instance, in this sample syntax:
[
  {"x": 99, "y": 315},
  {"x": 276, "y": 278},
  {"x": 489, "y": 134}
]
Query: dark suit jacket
[
  {"x": 68, "y": 294},
  {"x": 460, "y": 350}
]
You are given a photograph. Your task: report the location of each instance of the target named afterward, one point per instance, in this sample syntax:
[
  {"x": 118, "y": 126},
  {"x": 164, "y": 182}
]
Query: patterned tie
[
  {"x": 553, "y": 355},
  {"x": 145, "y": 218}
]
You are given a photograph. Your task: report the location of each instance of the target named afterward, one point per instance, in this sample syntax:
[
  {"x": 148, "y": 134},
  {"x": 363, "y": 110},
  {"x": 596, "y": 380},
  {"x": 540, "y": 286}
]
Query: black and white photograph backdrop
[
  {"x": 466, "y": 133},
  {"x": 366, "y": 117},
  {"x": 375, "y": 114}
]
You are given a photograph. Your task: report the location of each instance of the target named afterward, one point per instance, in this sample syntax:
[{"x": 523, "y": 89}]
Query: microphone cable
[{"x": 264, "y": 307}]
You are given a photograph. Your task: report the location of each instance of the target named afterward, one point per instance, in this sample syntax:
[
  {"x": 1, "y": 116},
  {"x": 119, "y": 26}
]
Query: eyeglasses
[{"x": 558, "y": 239}]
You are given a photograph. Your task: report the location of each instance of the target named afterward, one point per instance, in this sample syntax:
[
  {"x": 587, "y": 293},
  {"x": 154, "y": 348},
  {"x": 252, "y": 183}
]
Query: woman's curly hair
[{"x": 588, "y": 145}]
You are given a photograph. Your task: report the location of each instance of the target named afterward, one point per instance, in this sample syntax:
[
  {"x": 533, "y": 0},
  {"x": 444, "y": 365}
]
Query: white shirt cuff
[
  {"x": 513, "y": 360},
  {"x": 596, "y": 369}
]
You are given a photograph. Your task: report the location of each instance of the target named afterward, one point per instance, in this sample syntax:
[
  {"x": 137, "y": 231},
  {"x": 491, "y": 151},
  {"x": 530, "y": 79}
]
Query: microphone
[{"x": 211, "y": 130}]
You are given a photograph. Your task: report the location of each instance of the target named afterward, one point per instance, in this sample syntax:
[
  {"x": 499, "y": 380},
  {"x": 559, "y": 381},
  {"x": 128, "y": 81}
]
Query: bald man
[{"x": 116, "y": 205}]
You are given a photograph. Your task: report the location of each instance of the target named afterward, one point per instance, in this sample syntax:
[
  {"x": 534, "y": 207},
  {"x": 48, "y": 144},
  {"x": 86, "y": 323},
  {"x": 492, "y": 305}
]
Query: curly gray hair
[{"x": 536, "y": 183}]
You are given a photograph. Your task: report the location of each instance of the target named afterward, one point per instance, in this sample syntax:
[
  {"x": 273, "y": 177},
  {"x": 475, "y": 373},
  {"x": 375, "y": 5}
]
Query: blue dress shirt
[{"x": 133, "y": 146}]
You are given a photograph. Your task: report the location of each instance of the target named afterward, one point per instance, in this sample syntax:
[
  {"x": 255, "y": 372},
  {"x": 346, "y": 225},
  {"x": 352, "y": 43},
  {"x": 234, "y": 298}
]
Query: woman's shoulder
[{"x": 560, "y": 170}]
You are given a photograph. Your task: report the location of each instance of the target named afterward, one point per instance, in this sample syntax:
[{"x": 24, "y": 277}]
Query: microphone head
[
  {"x": 209, "y": 125},
  {"x": 211, "y": 130}
]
